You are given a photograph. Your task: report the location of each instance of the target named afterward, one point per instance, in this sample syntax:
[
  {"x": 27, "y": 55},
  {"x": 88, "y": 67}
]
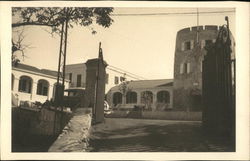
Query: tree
[
  {"x": 54, "y": 17},
  {"x": 18, "y": 46},
  {"x": 147, "y": 98},
  {"x": 124, "y": 89}
]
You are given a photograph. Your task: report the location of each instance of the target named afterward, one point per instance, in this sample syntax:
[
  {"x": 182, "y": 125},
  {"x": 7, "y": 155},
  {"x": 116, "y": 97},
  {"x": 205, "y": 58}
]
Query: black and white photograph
[{"x": 109, "y": 78}]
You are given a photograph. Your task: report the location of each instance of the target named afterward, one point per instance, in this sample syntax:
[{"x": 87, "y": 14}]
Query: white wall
[
  {"x": 111, "y": 81},
  {"x": 76, "y": 69},
  {"x": 32, "y": 97},
  {"x": 139, "y": 91}
]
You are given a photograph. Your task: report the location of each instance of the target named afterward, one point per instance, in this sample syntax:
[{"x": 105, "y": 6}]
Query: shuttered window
[
  {"x": 182, "y": 46},
  {"x": 202, "y": 43},
  {"x": 181, "y": 68},
  {"x": 185, "y": 68},
  {"x": 188, "y": 67},
  {"x": 79, "y": 80},
  {"x": 192, "y": 44}
]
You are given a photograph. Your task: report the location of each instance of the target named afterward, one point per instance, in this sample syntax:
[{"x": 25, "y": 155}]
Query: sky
[{"x": 143, "y": 45}]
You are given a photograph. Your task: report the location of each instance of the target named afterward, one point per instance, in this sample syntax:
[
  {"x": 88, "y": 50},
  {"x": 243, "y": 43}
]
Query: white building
[
  {"x": 76, "y": 73},
  {"x": 32, "y": 84},
  {"x": 153, "y": 94}
]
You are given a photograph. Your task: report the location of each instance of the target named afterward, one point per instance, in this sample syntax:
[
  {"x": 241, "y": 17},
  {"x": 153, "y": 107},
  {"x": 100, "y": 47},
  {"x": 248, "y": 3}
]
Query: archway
[
  {"x": 146, "y": 97},
  {"x": 117, "y": 98},
  {"x": 131, "y": 97},
  {"x": 25, "y": 84},
  {"x": 42, "y": 87},
  {"x": 163, "y": 97}
]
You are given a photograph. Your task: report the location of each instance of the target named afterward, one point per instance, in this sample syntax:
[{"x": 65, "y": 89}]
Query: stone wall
[
  {"x": 75, "y": 135},
  {"x": 34, "y": 129}
]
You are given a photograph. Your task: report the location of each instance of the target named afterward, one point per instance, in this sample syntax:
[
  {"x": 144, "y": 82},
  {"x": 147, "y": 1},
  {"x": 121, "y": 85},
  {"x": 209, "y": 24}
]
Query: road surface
[{"x": 140, "y": 135}]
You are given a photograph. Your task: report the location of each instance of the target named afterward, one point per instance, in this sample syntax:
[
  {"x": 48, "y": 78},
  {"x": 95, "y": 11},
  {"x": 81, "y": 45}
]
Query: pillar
[
  {"x": 95, "y": 88},
  {"x": 154, "y": 101},
  {"x": 138, "y": 98},
  {"x": 33, "y": 88}
]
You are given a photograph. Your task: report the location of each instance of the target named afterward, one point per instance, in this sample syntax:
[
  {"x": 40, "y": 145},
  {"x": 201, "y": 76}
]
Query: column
[
  {"x": 33, "y": 89},
  {"x": 154, "y": 100},
  {"x": 95, "y": 87},
  {"x": 16, "y": 84},
  {"x": 138, "y": 97},
  {"x": 171, "y": 98}
]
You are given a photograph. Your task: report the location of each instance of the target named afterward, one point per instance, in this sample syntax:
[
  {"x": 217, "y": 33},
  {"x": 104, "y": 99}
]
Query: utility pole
[{"x": 60, "y": 84}]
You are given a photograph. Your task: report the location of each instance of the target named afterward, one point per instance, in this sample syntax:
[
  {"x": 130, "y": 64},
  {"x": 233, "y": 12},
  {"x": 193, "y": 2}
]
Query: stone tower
[{"x": 189, "y": 52}]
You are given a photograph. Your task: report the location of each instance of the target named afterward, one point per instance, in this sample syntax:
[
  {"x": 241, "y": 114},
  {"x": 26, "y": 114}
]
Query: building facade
[
  {"x": 189, "y": 53},
  {"x": 76, "y": 73},
  {"x": 152, "y": 94},
  {"x": 32, "y": 84}
]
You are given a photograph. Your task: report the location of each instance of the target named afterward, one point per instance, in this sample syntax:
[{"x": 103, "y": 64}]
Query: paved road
[{"x": 138, "y": 135}]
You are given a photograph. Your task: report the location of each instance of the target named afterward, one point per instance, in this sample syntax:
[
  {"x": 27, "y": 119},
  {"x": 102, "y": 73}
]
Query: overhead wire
[
  {"x": 169, "y": 13},
  {"x": 127, "y": 72},
  {"x": 123, "y": 73}
]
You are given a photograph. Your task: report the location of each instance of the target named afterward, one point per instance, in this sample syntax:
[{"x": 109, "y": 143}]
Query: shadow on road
[{"x": 159, "y": 137}]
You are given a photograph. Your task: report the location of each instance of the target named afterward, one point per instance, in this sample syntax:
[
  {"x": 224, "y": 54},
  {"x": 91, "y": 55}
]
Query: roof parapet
[{"x": 201, "y": 28}]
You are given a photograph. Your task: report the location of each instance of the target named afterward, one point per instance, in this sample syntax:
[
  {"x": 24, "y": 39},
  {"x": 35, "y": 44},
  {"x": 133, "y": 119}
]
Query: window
[
  {"x": 116, "y": 80},
  {"x": 79, "y": 80},
  {"x": 187, "y": 45},
  {"x": 208, "y": 42},
  {"x": 107, "y": 78},
  {"x": 131, "y": 97},
  {"x": 70, "y": 77},
  {"x": 42, "y": 87},
  {"x": 25, "y": 84},
  {"x": 117, "y": 98},
  {"x": 185, "y": 68},
  {"x": 163, "y": 97}
]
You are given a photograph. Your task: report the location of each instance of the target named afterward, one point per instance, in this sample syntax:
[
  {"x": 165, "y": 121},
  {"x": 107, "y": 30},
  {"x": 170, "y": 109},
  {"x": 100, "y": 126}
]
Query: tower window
[
  {"x": 185, "y": 68},
  {"x": 187, "y": 45}
]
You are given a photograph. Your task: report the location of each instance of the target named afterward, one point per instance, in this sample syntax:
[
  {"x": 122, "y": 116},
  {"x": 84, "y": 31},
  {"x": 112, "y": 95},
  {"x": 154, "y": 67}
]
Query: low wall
[
  {"x": 35, "y": 129},
  {"x": 75, "y": 135},
  {"x": 161, "y": 115}
]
